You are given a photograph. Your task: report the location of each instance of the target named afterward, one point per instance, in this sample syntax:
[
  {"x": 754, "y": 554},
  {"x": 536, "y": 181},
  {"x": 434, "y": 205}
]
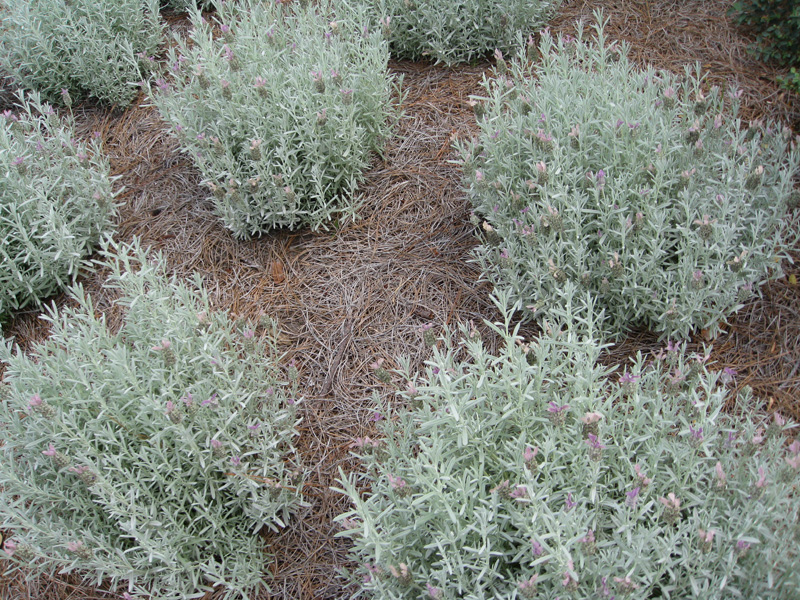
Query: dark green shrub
[{"x": 776, "y": 24}]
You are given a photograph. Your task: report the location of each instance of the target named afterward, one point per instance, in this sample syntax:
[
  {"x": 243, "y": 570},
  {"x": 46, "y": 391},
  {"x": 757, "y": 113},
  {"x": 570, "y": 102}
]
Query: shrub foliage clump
[
  {"x": 150, "y": 455},
  {"x": 280, "y": 106},
  {"x": 536, "y": 471},
  {"x": 776, "y": 24},
  {"x": 55, "y": 202},
  {"x": 640, "y": 187},
  {"x": 70, "y": 50},
  {"x": 459, "y": 31}
]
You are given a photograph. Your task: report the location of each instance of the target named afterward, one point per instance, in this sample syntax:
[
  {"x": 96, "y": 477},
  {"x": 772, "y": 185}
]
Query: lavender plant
[
  {"x": 56, "y": 200},
  {"x": 640, "y": 187},
  {"x": 536, "y": 472},
  {"x": 459, "y": 31},
  {"x": 280, "y": 111},
  {"x": 73, "y": 49},
  {"x": 150, "y": 455}
]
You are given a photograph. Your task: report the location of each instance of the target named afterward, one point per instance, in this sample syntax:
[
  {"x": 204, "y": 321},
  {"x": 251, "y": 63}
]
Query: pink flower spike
[
  {"x": 593, "y": 442},
  {"x": 794, "y": 447},
  {"x": 74, "y": 546},
  {"x": 592, "y": 417},
  {"x": 165, "y": 344},
  {"x": 671, "y": 501},
  {"x": 216, "y": 443},
  {"x": 36, "y": 400},
  {"x": 519, "y": 492},
  {"x": 721, "y": 477},
  {"x": 706, "y": 536},
  {"x": 530, "y": 453},
  {"x": 9, "y": 547},
  {"x": 236, "y": 461},
  {"x": 51, "y": 450},
  {"x": 433, "y": 592},
  {"x": 396, "y": 482},
  {"x": 762, "y": 478},
  {"x": 793, "y": 462}
]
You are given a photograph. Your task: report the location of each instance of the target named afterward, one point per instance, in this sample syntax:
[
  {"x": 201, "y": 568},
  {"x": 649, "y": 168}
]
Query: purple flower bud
[
  {"x": 632, "y": 496},
  {"x": 433, "y": 592}
]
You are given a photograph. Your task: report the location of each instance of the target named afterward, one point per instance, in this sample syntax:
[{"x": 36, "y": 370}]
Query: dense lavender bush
[
  {"x": 55, "y": 202},
  {"x": 151, "y": 455},
  {"x": 642, "y": 188},
  {"x": 453, "y": 31},
  {"x": 280, "y": 111},
  {"x": 73, "y": 49},
  {"x": 537, "y": 473}
]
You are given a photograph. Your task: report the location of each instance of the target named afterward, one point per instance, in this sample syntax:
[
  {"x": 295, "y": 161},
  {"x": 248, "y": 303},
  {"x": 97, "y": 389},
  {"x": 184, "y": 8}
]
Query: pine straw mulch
[{"x": 349, "y": 296}]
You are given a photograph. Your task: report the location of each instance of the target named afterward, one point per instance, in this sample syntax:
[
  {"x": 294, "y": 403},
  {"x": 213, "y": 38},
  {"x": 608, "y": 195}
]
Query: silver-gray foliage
[
  {"x": 535, "y": 472},
  {"x": 281, "y": 107},
  {"x": 56, "y": 200},
  {"x": 453, "y": 31},
  {"x": 88, "y": 48},
  {"x": 150, "y": 455},
  {"x": 641, "y": 187}
]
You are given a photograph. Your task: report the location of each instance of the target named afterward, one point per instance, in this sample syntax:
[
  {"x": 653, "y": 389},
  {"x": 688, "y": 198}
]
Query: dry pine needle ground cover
[{"x": 352, "y": 295}]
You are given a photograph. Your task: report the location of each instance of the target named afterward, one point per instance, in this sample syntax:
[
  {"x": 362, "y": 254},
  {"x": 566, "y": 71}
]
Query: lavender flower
[
  {"x": 643, "y": 480},
  {"x": 706, "y": 539},
  {"x": 672, "y": 508},
  {"x": 741, "y": 548},
  {"x": 695, "y": 436},
  {"x": 433, "y": 592},
  {"x": 557, "y": 413},
  {"x": 527, "y": 587},
  {"x": 570, "y": 581},
  {"x": 591, "y": 423},
  {"x": 595, "y": 447},
  {"x": 722, "y": 478}
]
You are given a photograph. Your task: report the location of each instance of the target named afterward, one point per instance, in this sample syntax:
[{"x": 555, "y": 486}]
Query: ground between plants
[{"x": 360, "y": 292}]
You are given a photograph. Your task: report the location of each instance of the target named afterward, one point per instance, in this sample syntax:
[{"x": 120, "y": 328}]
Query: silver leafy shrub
[
  {"x": 71, "y": 50},
  {"x": 453, "y": 31},
  {"x": 280, "y": 106},
  {"x": 56, "y": 200},
  {"x": 537, "y": 473},
  {"x": 641, "y": 187},
  {"x": 151, "y": 455}
]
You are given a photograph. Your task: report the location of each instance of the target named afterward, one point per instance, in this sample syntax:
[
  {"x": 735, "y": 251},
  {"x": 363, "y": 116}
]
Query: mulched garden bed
[{"x": 362, "y": 290}]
